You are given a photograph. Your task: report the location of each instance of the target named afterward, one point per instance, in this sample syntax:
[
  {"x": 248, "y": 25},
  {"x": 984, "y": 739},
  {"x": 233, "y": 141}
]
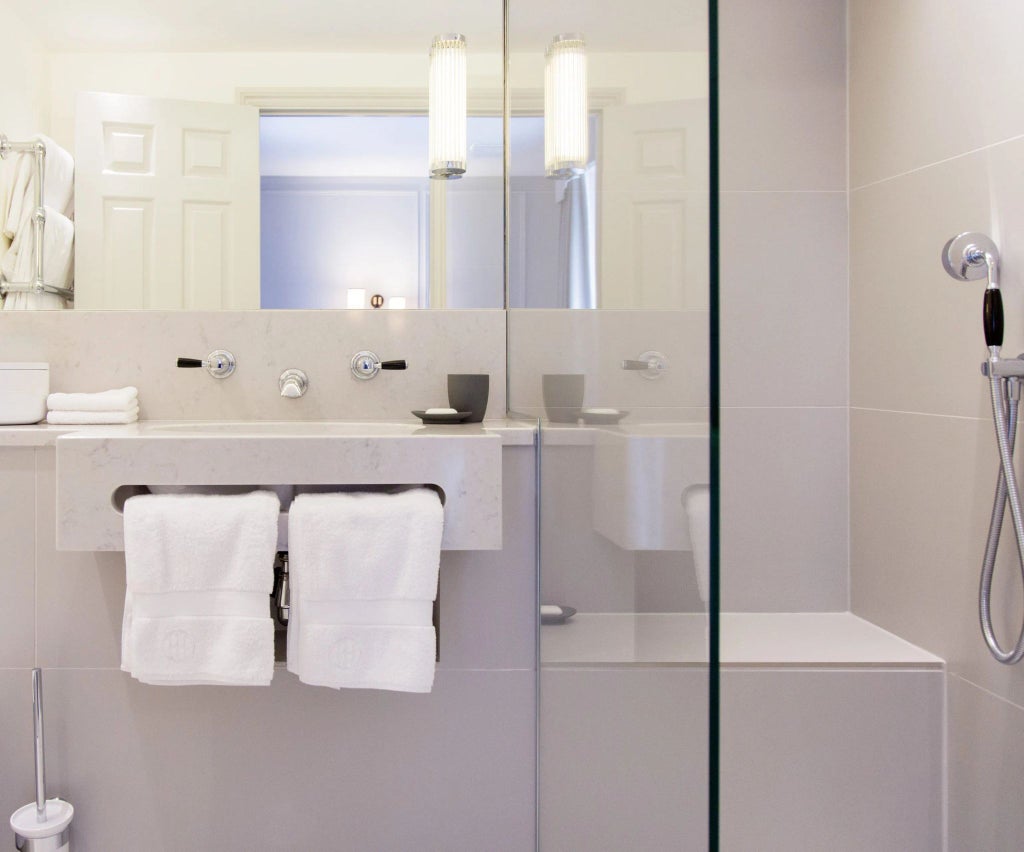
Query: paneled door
[
  {"x": 653, "y": 210},
  {"x": 167, "y": 201}
]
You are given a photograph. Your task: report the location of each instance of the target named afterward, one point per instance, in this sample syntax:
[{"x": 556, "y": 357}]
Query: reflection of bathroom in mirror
[{"x": 284, "y": 161}]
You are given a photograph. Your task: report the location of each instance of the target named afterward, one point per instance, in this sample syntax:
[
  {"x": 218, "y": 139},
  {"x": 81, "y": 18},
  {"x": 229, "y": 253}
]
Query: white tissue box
[{"x": 23, "y": 391}]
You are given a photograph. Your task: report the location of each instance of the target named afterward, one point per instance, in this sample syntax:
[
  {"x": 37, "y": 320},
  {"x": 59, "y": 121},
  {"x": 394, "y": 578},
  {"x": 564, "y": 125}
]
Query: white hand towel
[
  {"x": 92, "y": 418},
  {"x": 363, "y": 570},
  {"x": 199, "y": 570},
  {"x": 19, "y": 265},
  {"x": 121, "y": 399}
]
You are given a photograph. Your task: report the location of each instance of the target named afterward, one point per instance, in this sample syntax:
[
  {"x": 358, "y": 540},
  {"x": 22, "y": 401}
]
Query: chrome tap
[{"x": 293, "y": 384}]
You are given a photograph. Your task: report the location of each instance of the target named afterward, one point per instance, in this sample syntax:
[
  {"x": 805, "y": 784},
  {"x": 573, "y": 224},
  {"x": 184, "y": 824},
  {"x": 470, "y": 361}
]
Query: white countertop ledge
[
  {"x": 511, "y": 432},
  {"x": 820, "y": 640}
]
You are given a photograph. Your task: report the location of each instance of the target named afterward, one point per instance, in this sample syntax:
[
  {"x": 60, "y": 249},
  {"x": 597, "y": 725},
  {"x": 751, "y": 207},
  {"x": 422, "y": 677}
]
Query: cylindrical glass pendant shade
[
  {"x": 566, "y": 136},
  {"x": 448, "y": 106}
]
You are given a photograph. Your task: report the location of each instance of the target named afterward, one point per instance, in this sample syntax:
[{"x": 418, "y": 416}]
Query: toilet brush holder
[
  {"x": 45, "y": 824},
  {"x": 52, "y": 834}
]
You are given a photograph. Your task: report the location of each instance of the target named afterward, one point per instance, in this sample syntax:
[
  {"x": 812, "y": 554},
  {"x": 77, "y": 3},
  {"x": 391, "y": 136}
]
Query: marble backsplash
[{"x": 97, "y": 350}]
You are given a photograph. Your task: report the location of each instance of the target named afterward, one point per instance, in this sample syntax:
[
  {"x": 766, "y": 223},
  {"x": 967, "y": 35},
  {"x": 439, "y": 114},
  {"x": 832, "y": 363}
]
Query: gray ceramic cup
[
  {"x": 563, "y": 396},
  {"x": 468, "y": 392}
]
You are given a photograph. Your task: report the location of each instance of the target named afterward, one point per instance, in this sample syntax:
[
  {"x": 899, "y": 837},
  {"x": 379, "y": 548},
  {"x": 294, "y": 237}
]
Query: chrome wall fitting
[
  {"x": 220, "y": 363},
  {"x": 650, "y": 364},
  {"x": 293, "y": 384},
  {"x": 365, "y": 365},
  {"x": 970, "y": 256}
]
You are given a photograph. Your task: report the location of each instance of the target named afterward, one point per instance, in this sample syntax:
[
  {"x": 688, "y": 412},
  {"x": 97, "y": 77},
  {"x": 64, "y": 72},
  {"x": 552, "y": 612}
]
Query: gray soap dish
[{"x": 436, "y": 419}]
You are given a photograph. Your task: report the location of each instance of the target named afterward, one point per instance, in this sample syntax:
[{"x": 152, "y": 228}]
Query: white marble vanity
[{"x": 93, "y": 463}]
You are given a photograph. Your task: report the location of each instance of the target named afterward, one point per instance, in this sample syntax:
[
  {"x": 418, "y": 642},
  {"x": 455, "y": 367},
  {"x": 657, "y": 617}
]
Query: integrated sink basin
[{"x": 96, "y": 467}]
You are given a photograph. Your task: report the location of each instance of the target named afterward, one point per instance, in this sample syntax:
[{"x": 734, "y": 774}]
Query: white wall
[{"x": 24, "y": 108}]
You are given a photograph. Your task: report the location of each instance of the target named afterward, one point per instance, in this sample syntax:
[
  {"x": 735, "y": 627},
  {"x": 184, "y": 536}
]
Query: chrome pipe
[
  {"x": 39, "y": 222},
  {"x": 37, "y": 729}
]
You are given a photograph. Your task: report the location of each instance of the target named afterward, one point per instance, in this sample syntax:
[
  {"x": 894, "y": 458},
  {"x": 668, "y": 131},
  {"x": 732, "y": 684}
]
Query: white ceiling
[{"x": 357, "y": 25}]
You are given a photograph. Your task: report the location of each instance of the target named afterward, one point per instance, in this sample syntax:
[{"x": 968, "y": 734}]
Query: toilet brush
[{"x": 43, "y": 825}]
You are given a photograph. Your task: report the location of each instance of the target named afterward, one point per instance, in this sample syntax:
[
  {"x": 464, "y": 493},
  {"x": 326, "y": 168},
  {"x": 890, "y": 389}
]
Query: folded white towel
[
  {"x": 19, "y": 265},
  {"x": 121, "y": 399},
  {"x": 199, "y": 569},
  {"x": 95, "y": 418},
  {"x": 363, "y": 570}
]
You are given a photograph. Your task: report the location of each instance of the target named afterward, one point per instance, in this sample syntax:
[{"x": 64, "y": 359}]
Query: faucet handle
[
  {"x": 220, "y": 363},
  {"x": 365, "y": 365},
  {"x": 650, "y": 365}
]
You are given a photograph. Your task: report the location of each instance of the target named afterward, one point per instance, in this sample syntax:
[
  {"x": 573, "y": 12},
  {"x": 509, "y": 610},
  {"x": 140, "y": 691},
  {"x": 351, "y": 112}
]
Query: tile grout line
[
  {"x": 941, "y": 162},
  {"x": 989, "y": 692},
  {"x": 919, "y": 413}
]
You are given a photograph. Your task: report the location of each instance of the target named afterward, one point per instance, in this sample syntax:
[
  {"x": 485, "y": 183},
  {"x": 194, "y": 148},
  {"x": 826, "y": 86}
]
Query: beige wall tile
[
  {"x": 80, "y": 596},
  {"x": 292, "y": 766},
  {"x": 90, "y": 351},
  {"x": 17, "y": 781},
  {"x": 917, "y": 341},
  {"x": 17, "y": 567},
  {"x": 784, "y": 509},
  {"x": 831, "y": 760},
  {"x": 784, "y": 300},
  {"x": 930, "y": 81},
  {"x": 986, "y": 753},
  {"x": 921, "y": 496},
  {"x": 782, "y": 80},
  {"x": 623, "y": 759}
]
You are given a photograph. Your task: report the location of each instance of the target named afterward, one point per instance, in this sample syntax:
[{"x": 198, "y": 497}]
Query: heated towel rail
[{"x": 38, "y": 285}]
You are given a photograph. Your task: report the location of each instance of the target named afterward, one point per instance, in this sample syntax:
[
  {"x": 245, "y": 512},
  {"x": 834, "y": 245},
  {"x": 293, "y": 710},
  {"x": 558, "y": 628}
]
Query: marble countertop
[{"x": 512, "y": 432}]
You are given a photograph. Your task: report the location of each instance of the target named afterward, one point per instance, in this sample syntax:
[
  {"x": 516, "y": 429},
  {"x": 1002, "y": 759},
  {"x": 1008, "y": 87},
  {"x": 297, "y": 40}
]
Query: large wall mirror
[
  {"x": 276, "y": 155},
  {"x": 316, "y": 155}
]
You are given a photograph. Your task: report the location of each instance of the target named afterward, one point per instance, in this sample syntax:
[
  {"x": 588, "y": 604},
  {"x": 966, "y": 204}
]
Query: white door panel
[
  {"x": 167, "y": 197},
  {"x": 654, "y": 206}
]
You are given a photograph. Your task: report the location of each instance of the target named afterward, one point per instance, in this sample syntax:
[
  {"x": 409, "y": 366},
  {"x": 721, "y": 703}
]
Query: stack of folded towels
[{"x": 112, "y": 406}]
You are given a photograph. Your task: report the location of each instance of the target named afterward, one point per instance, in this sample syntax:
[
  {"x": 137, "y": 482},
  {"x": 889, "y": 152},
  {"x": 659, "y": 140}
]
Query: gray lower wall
[
  {"x": 923, "y": 457},
  {"x": 281, "y": 768}
]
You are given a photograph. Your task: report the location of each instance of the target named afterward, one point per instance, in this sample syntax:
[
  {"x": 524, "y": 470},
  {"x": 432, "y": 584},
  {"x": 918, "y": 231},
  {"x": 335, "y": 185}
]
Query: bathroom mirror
[
  {"x": 613, "y": 211},
  {"x": 279, "y": 156},
  {"x": 273, "y": 155}
]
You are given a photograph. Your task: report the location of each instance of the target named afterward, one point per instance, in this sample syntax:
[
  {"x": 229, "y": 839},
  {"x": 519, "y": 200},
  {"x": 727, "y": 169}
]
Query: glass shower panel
[{"x": 608, "y": 245}]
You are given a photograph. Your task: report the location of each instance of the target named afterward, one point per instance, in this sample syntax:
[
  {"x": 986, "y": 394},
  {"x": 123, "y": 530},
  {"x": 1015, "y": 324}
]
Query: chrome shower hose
[{"x": 1005, "y": 405}]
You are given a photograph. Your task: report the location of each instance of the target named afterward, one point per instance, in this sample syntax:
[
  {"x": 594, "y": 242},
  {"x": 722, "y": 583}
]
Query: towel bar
[{"x": 38, "y": 285}]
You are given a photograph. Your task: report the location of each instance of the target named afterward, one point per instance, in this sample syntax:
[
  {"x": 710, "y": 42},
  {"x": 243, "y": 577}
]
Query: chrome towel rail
[{"x": 38, "y": 285}]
